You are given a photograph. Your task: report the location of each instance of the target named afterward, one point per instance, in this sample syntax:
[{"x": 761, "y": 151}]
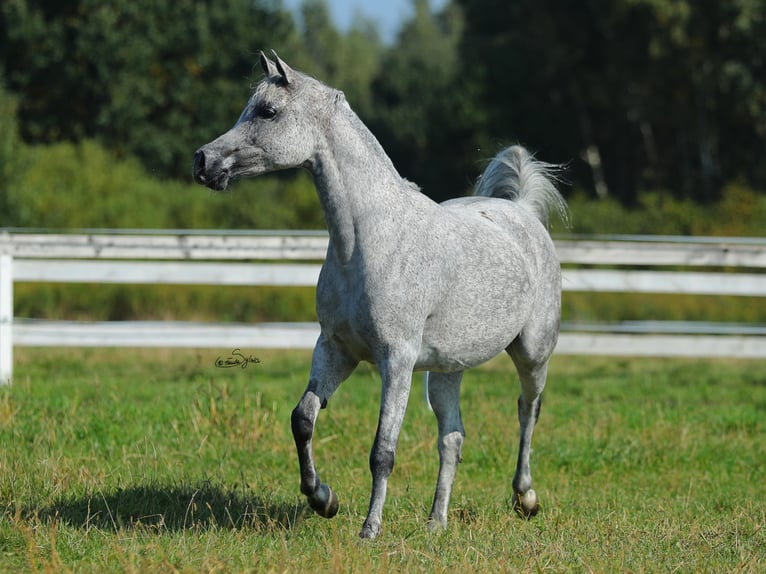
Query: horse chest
[{"x": 359, "y": 313}]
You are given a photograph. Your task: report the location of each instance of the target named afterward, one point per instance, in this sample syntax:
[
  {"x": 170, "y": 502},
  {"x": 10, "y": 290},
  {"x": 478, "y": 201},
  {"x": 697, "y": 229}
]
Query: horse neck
[{"x": 357, "y": 184}]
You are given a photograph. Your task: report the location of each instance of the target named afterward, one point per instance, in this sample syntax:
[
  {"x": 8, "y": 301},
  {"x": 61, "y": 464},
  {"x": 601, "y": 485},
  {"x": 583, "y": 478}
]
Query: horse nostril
[{"x": 199, "y": 166}]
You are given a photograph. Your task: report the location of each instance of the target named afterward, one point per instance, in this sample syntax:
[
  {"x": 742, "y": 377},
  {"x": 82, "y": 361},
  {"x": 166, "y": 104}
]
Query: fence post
[{"x": 6, "y": 319}]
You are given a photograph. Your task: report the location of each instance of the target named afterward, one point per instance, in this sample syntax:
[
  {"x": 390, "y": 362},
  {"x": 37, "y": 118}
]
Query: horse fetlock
[
  {"x": 310, "y": 484},
  {"x": 526, "y": 504},
  {"x": 324, "y": 501}
]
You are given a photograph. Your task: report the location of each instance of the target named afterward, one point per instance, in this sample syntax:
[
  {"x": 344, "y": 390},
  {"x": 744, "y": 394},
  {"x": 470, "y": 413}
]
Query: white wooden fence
[{"x": 282, "y": 259}]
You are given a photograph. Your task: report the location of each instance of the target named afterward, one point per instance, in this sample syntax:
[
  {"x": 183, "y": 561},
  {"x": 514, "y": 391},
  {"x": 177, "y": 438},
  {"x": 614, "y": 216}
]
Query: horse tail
[{"x": 515, "y": 174}]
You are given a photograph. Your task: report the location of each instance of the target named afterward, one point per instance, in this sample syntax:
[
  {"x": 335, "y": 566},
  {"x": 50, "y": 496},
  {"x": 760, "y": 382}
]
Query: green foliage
[
  {"x": 635, "y": 94},
  {"x": 151, "y": 79},
  {"x": 617, "y": 307},
  {"x": 10, "y": 148},
  {"x": 348, "y": 62},
  {"x": 741, "y": 212},
  {"x": 78, "y": 186},
  {"x": 9, "y": 133},
  {"x": 424, "y": 114},
  {"x": 164, "y": 302},
  {"x": 670, "y": 94},
  {"x": 140, "y": 461}
]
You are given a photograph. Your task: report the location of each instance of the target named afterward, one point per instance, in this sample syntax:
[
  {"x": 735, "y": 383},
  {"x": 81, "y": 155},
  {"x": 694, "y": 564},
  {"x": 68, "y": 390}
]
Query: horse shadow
[{"x": 174, "y": 508}]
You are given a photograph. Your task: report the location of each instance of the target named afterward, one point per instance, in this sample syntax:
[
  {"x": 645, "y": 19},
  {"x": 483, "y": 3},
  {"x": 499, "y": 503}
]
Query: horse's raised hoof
[
  {"x": 526, "y": 504},
  {"x": 324, "y": 502}
]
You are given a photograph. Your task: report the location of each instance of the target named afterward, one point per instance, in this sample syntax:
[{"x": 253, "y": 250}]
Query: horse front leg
[
  {"x": 396, "y": 376},
  {"x": 329, "y": 368}
]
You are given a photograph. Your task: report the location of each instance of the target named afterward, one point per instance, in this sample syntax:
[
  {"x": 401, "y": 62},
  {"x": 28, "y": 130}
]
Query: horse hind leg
[
  {"x": 525, "y": 501},
  {"x": 444, "y": 395},
  {"x": 532, "y": 375}
]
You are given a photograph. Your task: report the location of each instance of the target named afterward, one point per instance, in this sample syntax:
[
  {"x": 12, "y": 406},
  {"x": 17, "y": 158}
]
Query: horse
[{"x": 407, "y": 284}]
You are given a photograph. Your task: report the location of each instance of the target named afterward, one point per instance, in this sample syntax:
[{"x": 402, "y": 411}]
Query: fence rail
[{"x": 282, "y": 259}]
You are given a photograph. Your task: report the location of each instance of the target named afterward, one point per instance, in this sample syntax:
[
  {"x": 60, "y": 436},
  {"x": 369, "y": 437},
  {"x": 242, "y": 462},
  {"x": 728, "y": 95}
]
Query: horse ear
[
  {"x": 284, "y": 70},
  {"x": 267, "y": 65}
]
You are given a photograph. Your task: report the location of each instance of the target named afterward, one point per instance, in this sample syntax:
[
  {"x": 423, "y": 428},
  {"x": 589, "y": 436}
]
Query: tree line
[{"x": 635, "y": 95}]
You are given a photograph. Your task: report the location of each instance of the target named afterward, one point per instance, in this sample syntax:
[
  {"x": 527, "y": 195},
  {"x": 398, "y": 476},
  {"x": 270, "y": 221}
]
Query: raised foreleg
[
  {"x": 329, "y": 368},
  {"x": 444, "y": 396}
]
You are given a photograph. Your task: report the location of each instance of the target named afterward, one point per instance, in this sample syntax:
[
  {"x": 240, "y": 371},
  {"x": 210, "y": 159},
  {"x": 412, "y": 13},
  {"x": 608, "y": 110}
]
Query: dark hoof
[{"x": 324, "y": 502}]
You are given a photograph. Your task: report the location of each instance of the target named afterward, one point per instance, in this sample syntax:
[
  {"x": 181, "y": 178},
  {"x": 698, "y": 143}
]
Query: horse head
[{"x": 278, "y": 129}]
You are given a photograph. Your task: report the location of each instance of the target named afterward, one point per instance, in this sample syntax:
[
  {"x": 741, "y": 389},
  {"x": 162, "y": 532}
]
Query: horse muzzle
[{"x": 209, "y": 172}]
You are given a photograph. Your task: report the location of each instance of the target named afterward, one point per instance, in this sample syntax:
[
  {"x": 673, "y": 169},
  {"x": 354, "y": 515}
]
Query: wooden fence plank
[
  {"x": 166, "y": 272},
  {"x": 697, "y": 254},
  {"x": 6, "y": 319},
  {"x": 174, "y": 334},
  {"x": 179, "y": 246},
  {"x": 307, "y": 274},
  {"x": 685, "y": 282},
  {"x": 696, "y": 346},
  {"x": 720, "y": 252},
  {"x": 304, "y": 335}
]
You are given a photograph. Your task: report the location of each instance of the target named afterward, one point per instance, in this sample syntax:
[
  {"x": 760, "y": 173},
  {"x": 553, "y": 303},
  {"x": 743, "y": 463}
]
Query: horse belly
[
  {"x": 479, "y": 313},
  {"x": 458, "y": 345},
  {"x": 443, "y": 360}
]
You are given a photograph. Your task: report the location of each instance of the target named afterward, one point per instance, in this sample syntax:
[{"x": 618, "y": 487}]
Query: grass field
[{"x": 143, "y": 461}]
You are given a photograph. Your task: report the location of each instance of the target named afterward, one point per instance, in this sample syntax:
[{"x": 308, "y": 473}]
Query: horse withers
[{"x": 407, "y": 284}]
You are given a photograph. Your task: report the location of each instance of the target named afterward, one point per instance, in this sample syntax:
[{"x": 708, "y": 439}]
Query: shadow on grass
[{"x": 172, "y": 507}]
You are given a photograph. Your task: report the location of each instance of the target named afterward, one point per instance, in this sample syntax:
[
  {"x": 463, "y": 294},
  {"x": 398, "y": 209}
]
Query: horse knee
[{"x": 382, "y": 461}]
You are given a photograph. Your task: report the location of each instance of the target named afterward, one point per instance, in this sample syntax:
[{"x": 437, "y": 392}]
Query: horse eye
[{"x": 267, "y": 112}]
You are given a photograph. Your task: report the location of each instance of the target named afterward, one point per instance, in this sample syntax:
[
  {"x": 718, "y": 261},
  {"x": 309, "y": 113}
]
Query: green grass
[{"x": 140, "y": 461}]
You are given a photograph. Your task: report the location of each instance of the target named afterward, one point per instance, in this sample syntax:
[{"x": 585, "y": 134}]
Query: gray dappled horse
[{"x": 408, "y": 284}]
